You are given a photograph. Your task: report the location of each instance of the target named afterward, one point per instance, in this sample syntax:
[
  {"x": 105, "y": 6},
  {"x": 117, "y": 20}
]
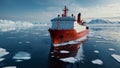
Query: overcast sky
[{"x": 45, "y": 10}]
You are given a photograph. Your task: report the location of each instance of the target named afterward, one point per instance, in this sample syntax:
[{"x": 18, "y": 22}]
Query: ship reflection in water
[{"x": 67, "y": 56}]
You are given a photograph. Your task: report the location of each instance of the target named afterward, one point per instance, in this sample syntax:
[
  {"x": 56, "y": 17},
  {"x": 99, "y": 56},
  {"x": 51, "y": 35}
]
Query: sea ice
[
  {"x": 36, "y": 33},
  {"x": 97, "y": 61},
  {"x": 64, "y": 51},
  {"x": 10, "y": 67},
  {"x": 69, "y": 59},
  {"x": 3, "y": 52},
  {"x": 98, "y": 37},
  {"x": 8, "y": 25},
  {"x": 22, "y": 56},
  {"x": 96, "y": 51},
  {"x": 100, "y": 41},
  {"x": 116, "y": 57},
  {"x": 1, "y": 59},
  {"x": 27, "y": 41},
  {"x": 20, "y": 42},
  {"x": 19, "y": 60},
  {"x": 111, "y": 49}
]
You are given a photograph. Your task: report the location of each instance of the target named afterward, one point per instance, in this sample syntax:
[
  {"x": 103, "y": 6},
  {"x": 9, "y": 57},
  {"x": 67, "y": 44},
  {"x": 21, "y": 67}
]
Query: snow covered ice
[
  {"x": 8, "y": 25},
  {"x": 116, "y": 57},
  {"x": 22, "y": 56},
  {"x": 111, "y": 49},
  {"x": 64, "y": 51},
  {"x": 27, "y": 41},
  {"x": 103, "y": 31},
  {"x": 1, "y": 59},
  {"x": 3, "y": 52},
  {"x": 10, "y": 67},
  {"x": 96, "y": 51},
  {"x": 97, "y": 61},
  {"x": 69, "y": 59}
]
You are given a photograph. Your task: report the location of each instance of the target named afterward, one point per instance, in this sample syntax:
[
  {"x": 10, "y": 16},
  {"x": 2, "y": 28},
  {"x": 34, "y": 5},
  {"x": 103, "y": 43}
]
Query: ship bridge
[{"x": 64, "y": 22}]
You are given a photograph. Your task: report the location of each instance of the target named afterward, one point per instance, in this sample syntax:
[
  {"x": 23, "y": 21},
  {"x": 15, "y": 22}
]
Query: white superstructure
[{"x": 63, "y": 23}]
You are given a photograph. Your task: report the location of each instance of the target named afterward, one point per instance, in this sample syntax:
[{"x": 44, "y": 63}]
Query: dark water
[{"x": 36, "y": 41}]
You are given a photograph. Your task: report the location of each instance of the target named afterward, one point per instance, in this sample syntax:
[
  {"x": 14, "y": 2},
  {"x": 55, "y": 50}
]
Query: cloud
[{"x": 45, "y": 10}]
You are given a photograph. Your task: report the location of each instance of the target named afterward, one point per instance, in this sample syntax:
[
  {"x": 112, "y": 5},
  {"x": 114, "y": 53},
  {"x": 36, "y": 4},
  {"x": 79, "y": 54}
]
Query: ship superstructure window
[{"x": 63, "y": 23}]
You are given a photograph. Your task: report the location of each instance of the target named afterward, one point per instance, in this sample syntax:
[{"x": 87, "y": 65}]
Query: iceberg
[
  {"x": 116, "y": 57},
  {"x": 97, "y": 61},
  {"x": 22, "y": 56}
]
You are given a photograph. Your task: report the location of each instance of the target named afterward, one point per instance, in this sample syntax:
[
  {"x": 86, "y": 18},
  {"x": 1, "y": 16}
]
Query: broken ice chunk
[
  {"x": 64, "y": 51},
  {"x": 111, "y": 49},
  {"x": 19, "y": 60},
  {"x": 10, "y": 67},
  {"x": 96, "y": 51},
  {"x": 1, "y": 59},
  {"x": 3, "y": 52},
  {"x": 116, "y": 57},
  {"x": 97, "y": 61},
  {"x": 20, "y": 42},
  {"x": 69, "y": 59},
  {"x": 22, "y": 56},
  {"x": 27, "y": 41}
]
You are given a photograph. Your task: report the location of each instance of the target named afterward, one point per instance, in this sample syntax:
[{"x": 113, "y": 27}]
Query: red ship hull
[{"x": 61, "y": 36}]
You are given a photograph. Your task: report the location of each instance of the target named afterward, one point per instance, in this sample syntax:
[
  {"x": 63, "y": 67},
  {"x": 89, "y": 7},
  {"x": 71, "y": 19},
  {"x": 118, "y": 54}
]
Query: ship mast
[{"x": 65, "y": 11}]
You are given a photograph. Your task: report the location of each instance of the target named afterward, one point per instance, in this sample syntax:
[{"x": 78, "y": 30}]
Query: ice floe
[
  {"x": 104, "y": 31},
  {"x": 111, "y": 49},
  {"x": 64, "y": 51},
  {"x": 96, "y": 51},
  {"x": 116, "y": 57},
  {"x": 28, "y": 42},
  {"x": 100, "y": 41},
  {"x": 97, "y": 61},
  {"x": 20, "y": 42},
  {"x": 22, "y": 56},
  {"x": 3, "y": 52},
  {"x": 1, "y": 59},
  {"x": 35, "y": 33},
  {"x": 19, "y": 60},
  {"x": 69, "y": 59},
  {"x": 10, "y": 67},
  {"x": 79, "y": 56},
  {"x": 46, "y": 34}
]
